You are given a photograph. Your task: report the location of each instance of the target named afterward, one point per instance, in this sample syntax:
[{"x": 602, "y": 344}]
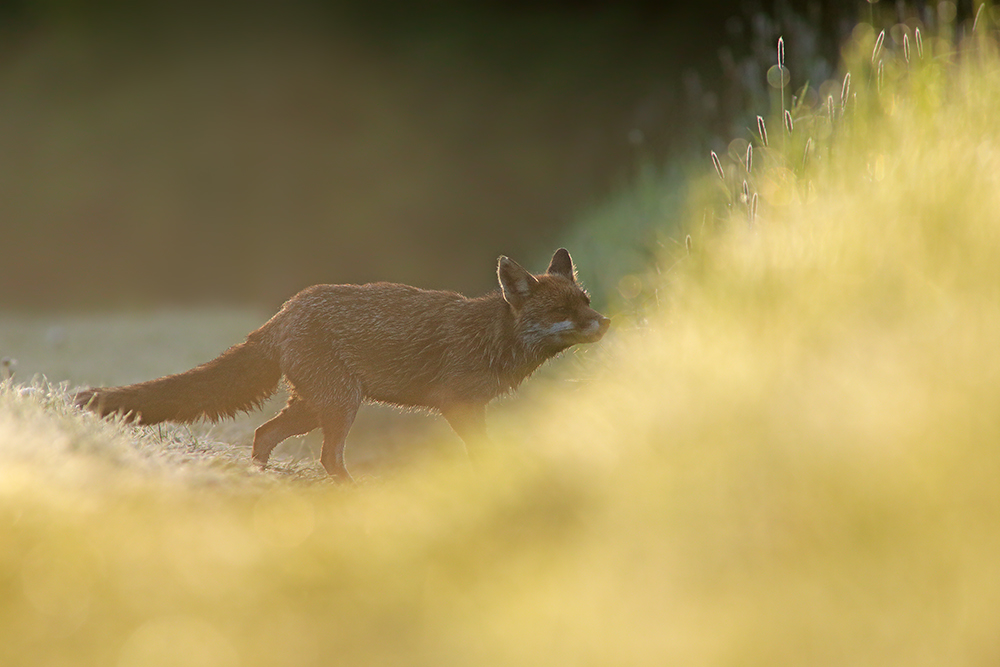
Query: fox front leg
[{"x": 468, "y": 420}]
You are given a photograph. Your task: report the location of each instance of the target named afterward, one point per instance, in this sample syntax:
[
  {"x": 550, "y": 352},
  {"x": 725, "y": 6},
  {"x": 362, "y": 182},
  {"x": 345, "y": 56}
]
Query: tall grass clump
[
  {"x": 790, "y": 458},
  {"x": 803, "y": 437}
]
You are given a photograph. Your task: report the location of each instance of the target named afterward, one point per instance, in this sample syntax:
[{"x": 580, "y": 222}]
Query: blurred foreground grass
[{"x": 792, "y": 459}]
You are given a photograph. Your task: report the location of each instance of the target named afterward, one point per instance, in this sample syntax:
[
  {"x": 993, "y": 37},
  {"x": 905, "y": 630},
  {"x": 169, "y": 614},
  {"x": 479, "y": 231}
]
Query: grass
[{"x": 789, "y": 458}]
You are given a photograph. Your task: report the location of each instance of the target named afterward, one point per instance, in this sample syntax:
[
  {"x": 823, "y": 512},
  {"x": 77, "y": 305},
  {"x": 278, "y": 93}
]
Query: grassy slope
[{"x": 793, "y": 461}]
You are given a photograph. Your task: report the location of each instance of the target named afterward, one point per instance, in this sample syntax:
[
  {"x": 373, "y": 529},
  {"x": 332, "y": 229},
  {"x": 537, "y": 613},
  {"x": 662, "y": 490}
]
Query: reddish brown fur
[{"x": 339, "y": 345}]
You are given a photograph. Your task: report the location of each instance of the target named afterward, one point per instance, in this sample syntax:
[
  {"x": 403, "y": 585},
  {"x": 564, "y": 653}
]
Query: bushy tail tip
[{"x": 239, "y": 380}]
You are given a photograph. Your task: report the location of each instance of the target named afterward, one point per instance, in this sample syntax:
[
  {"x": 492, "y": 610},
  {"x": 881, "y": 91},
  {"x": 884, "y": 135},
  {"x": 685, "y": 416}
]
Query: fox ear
[
  {"x": 516, "y": 282},
  {"x": 562, "y": 265}
]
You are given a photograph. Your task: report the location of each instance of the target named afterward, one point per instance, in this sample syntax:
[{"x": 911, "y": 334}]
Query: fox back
[{"x": 416, "y": 347}]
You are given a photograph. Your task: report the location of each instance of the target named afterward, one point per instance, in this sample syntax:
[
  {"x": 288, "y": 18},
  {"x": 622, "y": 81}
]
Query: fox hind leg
[
  {"x": 336, "y": 421},
  {"x": 296, "y": 418},
  {"x": 333, "y": 395}
]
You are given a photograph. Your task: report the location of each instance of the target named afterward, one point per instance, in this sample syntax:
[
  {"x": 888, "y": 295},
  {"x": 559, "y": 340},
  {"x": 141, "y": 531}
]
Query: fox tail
[{"x": 238, "y": 380}]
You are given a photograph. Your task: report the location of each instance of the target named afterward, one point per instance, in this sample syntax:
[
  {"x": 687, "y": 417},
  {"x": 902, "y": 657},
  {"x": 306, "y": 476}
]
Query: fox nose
[{"x": 603, "y": 323}]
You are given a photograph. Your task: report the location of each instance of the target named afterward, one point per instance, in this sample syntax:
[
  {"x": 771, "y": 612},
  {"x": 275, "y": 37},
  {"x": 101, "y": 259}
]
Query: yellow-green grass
[{"x": 791, "y": 459}]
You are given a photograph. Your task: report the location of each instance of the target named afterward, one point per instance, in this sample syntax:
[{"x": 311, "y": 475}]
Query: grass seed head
[
  {"x": 749, "y": 161},
  {"x": 718, "y": 166},
  {"x": 878, "y": 46},
  {"x": 906, "y": 48},
  {"x": 788, "y": 121},
  {"x": 845, "y": 91},
  {"x": 762, "y": 130},
  {"x": 920, "y": 43},
  {"x": 7, "y": 366}
]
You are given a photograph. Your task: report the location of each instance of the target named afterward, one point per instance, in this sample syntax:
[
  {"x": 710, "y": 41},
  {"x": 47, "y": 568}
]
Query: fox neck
[{"x": 512, "y": 352}]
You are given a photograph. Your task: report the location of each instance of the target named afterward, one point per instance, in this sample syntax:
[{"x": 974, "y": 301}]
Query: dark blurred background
[{"x": 186, "y": 152}]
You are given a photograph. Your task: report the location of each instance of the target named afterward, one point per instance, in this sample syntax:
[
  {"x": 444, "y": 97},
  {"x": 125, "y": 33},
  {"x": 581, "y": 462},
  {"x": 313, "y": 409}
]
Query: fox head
[{"x": 551, "y": 310}]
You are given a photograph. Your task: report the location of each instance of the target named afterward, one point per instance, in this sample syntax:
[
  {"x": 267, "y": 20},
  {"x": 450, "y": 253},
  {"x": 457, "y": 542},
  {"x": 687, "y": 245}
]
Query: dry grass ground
[{"x": 791, "y": 460}]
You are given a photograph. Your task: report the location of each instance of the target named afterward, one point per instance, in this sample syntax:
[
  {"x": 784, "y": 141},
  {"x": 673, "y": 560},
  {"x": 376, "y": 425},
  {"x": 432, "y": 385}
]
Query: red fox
[{"x": 340, "y": 345}]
